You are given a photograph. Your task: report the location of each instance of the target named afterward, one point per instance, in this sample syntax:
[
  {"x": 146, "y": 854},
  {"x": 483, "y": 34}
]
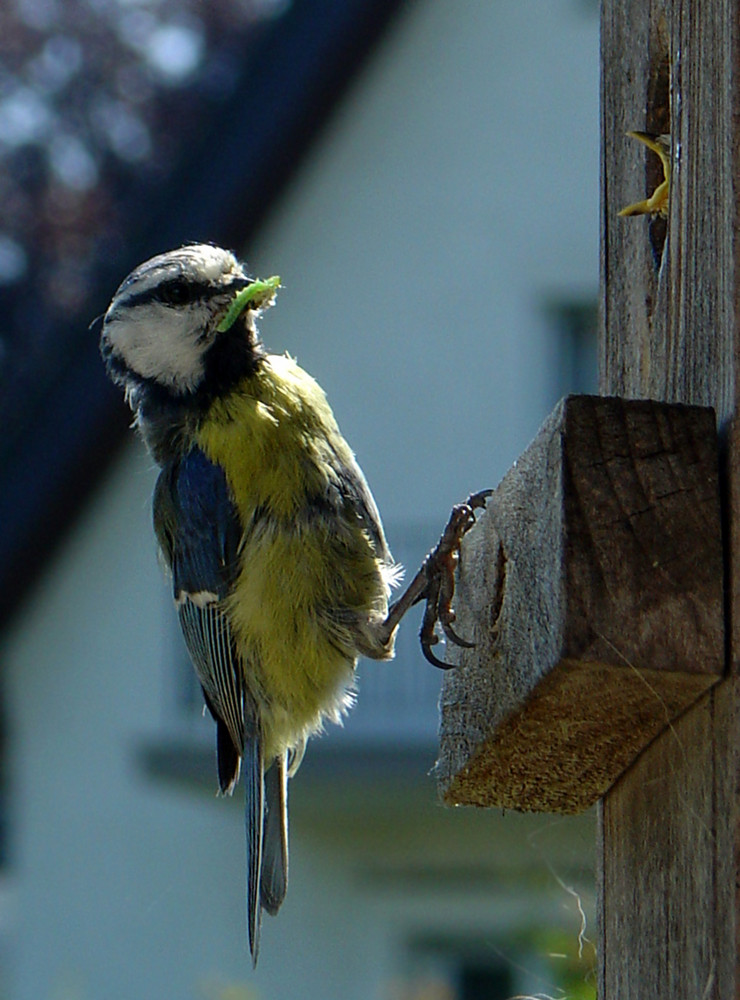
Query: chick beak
[{"x": 657, "y": 203}]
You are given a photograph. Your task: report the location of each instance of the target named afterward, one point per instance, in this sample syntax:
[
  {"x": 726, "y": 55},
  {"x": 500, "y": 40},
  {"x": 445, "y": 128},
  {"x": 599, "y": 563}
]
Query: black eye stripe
[
  {"x": 175, "y": 292},
  {"x": 180, "y": 291}
]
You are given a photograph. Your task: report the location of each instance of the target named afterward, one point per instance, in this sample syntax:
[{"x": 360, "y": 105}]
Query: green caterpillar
[{"x": 257, "y": 295}]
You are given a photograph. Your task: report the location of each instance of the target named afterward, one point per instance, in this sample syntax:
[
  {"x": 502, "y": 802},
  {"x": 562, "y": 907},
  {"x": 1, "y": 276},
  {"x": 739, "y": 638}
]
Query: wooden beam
[
  {"x": 669, "y": 831},
  {"x": 598, "y": 624},
  {"x": 667, "y": 851},
  {"x": 667, "y": 863}
]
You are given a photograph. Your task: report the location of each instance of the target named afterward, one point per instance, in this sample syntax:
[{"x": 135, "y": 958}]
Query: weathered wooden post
[{"x": 601, "y": 584}]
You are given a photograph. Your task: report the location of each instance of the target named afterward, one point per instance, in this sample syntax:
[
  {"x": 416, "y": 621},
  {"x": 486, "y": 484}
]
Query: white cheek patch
[{"x": 161, "y": 344}]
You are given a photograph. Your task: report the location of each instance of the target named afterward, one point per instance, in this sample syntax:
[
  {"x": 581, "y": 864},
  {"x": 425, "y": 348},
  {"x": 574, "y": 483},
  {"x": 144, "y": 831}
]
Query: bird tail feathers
[
  {"x": 254, "y": 793},
  {"x": 266, "y": 820},
  {"x": 274, "y": 875}
]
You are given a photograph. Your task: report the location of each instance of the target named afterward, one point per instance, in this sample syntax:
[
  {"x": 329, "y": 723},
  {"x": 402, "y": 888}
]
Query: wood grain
[
  {"x": 666, "y": 875},
  {"x": 668, "y": 847},
  {"x": 593, "y": 589}
]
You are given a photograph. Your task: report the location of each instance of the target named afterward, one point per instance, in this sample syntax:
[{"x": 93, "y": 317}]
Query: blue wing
[{"x": 199, "y": 531}]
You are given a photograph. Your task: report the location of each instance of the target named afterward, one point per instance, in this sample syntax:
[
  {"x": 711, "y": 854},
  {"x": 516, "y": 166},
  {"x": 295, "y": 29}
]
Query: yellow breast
[{"x": 308, "y": 575}]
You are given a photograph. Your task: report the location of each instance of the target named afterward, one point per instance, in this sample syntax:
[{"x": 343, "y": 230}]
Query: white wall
[
  {"x": 109, "y": 870},
  {"x": 457, "y": 187},
  {"x": 456, "y": 190}
]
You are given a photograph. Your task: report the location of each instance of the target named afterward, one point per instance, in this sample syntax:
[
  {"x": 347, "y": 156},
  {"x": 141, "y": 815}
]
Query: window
[{"x": 574, "y": 323}]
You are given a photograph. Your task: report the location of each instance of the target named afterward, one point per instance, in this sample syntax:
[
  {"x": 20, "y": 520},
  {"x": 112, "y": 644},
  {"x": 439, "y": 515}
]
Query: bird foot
[
  {"x": 439, "y": 569},
  {"x": 435, "y": 584}
]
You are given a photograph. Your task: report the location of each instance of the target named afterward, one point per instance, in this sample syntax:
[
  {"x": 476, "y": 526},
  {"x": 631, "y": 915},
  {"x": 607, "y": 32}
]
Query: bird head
[{"x": 182, "y": 319}]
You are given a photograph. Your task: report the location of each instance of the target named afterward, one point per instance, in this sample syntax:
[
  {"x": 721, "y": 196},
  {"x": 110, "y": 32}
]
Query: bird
[
  {"x": 280, "y": 568},
  {"x": 657, "y": 203}
]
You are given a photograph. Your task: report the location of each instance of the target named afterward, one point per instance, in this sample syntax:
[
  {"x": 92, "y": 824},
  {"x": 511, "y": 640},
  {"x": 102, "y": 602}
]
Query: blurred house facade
[{"x": 438, "y": 250}]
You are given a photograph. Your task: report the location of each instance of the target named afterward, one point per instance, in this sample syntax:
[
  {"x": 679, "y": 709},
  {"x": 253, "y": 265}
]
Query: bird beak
[{"x": 657, "y": 203}]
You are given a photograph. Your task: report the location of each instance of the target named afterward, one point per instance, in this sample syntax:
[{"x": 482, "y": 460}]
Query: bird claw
[{"x": 439, "y": 568}]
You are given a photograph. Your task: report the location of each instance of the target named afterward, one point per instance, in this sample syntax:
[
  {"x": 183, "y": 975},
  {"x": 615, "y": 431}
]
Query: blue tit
[{"x": 280, "y": 568}]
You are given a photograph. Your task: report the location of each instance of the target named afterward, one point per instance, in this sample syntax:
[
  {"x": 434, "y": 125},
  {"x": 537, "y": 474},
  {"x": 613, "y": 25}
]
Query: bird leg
[{"x": 435, "y": 583}]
